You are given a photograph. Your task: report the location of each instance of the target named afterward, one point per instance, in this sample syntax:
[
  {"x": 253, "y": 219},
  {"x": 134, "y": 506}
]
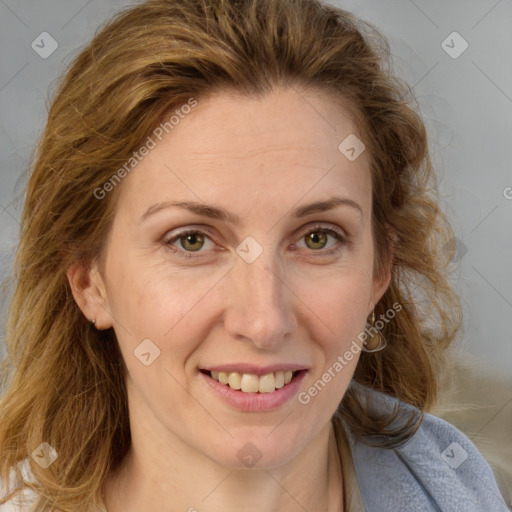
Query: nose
[{"x": 260, "y": 303}]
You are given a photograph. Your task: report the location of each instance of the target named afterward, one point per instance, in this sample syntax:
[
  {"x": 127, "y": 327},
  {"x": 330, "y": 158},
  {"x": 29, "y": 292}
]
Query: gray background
[{"x": 466, "y": 103}]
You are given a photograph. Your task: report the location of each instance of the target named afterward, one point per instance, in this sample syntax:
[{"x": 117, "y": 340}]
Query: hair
[{"x": 63, "y": 380}]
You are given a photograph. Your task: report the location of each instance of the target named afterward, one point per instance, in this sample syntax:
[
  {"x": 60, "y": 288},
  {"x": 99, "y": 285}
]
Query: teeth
[
  {"x": 235, "y": 380},
  {"x": 267, "y": 383},
  {"x": 250, "y": 383}
]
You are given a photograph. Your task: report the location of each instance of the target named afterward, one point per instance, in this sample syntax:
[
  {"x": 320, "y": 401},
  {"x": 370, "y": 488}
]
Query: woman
[{"x": 229, "y": 253}]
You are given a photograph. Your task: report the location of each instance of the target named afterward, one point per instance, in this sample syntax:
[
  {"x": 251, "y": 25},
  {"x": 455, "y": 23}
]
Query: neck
[{"x": 310, "y": 481}]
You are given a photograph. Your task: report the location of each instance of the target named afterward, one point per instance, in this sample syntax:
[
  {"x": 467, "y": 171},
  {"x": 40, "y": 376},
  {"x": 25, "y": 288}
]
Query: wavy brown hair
[{"x": 63, "y": 380}]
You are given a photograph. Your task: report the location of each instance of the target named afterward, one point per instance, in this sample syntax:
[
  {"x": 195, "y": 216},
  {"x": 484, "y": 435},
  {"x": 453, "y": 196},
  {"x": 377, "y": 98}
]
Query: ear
[
  {"x": 88, "y": 288},
  {"x": 382, "y": 280}
]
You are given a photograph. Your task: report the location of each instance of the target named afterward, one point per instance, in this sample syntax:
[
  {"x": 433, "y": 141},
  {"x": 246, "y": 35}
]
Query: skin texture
[{"x": 260, "y": 159}]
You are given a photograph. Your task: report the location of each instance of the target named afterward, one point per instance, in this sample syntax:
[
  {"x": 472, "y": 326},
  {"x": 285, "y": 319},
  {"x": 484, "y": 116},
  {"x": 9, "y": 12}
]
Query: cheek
[
  {"x": 345, "y": 314},
  {"x": 340, "y": 304},
  {"x": 339, "y": 297},
  {"x": 170, "y": 307}
]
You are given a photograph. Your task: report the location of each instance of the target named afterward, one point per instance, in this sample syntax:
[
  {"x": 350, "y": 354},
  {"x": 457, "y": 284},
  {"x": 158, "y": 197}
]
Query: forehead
[{"x": 234, "y": 149}]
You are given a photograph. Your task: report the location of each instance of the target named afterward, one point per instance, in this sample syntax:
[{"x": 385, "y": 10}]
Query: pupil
[
  {"x": 317, "y": 238},
  {"x": 191, "y": 240}
]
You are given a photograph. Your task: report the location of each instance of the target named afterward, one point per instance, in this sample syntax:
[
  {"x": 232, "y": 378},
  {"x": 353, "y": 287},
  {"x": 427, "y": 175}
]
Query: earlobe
[{"x": 88, "y": 290}]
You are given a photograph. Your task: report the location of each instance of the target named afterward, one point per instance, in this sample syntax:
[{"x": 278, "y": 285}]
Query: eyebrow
[{"x": 215, "y": 212}]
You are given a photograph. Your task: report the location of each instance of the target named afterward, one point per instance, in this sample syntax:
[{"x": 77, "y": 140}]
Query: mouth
[{"x": 252, "y": 383}]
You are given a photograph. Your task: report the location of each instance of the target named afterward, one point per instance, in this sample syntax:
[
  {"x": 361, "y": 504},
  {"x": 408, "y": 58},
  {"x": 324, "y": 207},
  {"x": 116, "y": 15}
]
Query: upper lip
[{"x": 254, "y": 369}]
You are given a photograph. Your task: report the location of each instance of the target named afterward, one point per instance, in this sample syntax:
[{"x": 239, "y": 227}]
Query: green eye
[
  {"x": 192, "y": 241},
  {"x": 322, "y": 240},
  {"x": 316, "y": 240}
]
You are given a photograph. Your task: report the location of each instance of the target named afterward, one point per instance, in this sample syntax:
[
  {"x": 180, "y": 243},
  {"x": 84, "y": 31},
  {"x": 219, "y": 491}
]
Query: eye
[
  {"x": 317, "y": 238},
  {"x": 191, "y": 240},
  {"x": 187, "y": 242}
]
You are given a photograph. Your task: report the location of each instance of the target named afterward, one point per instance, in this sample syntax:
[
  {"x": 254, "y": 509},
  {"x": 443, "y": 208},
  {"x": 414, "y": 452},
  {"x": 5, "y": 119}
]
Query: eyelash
[{"x": 205, "y": 232}]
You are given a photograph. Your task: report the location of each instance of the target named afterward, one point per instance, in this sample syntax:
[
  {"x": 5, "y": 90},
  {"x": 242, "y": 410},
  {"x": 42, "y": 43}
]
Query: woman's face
[{"x": 242, "y": 241}]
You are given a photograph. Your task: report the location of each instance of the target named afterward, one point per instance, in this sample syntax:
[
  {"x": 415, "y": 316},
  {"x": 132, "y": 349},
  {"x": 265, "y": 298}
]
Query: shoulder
[
  {"x": 438, "y": 468},
  {"x": 24, "y": 500},
  {"x": 21, "y": 501}
]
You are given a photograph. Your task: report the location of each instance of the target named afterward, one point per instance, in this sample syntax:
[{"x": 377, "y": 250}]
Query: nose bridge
[{"x": 260, "y": 306}]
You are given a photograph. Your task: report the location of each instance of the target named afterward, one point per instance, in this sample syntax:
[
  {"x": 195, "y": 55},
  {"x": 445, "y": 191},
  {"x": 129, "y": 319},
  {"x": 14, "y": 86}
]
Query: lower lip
[{"x": 252, "y": 402}]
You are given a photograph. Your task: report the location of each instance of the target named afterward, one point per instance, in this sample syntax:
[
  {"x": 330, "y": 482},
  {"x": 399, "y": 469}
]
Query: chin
[{"x": 257, "y": 452}]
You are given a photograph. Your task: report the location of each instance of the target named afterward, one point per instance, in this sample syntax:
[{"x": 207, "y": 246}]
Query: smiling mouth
[{"x": 251, "y": 383}]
